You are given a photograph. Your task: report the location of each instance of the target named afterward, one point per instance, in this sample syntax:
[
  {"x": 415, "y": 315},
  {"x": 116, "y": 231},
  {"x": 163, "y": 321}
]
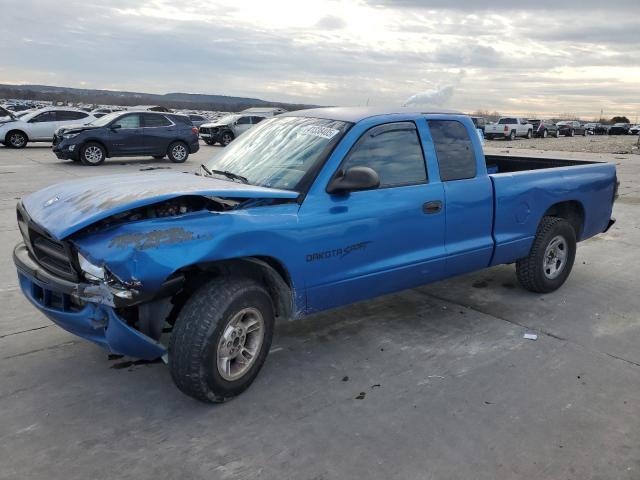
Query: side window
[
  {"x": 393, "y": 151},
  {"x": 151, "y": 120},
  {"x": 255, "y": 120},
  {"x": 244, "y": 120},
  {"x": 70, "y": 115},
  {"x": 45, "y": 117},
  {"x": 129, "y": 121},
  {"x": 454, "y": 150}
]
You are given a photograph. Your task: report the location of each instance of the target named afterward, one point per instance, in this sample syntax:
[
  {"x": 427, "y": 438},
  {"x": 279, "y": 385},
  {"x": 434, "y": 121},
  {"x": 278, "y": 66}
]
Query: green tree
[{"x": 620, "y": 120}]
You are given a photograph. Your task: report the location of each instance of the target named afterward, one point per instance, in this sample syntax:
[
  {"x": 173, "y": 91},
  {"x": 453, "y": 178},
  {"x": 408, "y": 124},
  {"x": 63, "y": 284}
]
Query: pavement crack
[
  {"x": 52, "y": 347},
  {"x": 25, "y": 331},
  {"x": 544, "y": 332}
]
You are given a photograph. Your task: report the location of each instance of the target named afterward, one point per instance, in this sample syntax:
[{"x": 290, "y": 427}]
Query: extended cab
[
  {"x": 310, "y": 210},
  {"x": 509, "y": 128}
]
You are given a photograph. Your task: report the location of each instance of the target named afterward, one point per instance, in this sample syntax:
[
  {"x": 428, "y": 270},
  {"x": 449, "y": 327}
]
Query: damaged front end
[{"x": 118, "y": 281}]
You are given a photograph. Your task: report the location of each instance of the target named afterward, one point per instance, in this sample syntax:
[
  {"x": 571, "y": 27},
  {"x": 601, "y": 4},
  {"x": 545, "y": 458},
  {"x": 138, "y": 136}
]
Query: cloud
[
  {"x": 544, "y": 59},
  {"x": 431, "y": 97}
]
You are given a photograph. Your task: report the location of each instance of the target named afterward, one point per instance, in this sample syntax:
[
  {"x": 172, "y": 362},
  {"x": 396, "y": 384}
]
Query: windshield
[
  {"x": 102, "y": 121},
  {"x": 280, "y": 151},
  {"x": 507, "y": 121}
]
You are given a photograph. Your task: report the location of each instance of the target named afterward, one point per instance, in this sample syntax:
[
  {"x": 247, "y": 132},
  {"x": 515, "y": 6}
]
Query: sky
[{"x": 537, "y": 57}]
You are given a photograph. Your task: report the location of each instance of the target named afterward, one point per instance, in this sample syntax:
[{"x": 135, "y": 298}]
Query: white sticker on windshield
[{"x": 318, "y": 131}]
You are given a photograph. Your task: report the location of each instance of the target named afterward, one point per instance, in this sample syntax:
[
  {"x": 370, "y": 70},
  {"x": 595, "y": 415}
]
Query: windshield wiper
[{"x": 231, "y": 175}]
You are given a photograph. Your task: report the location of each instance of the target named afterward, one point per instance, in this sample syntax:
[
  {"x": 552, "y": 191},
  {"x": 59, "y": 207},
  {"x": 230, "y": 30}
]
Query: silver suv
[{"x": 224, "y": 130}]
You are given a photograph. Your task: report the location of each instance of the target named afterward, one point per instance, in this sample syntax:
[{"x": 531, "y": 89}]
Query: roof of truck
[{"x": 356, "y": 114}]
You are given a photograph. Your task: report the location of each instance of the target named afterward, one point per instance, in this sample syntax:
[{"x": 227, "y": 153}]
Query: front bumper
[
  {"x": 62, "y": 302},
  {"x": 66, "y": 150}
]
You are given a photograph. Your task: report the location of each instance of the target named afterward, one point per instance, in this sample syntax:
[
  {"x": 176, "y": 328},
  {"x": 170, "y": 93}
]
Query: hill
[{"x": 194, "y": 101}]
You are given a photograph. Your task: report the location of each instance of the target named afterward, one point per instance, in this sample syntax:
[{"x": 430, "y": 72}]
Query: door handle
[{"x": 432, "y": 207}]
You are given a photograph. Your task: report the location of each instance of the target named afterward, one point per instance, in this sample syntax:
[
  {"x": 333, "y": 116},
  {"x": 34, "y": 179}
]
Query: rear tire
[
  {"x": 551, "y": 258},
  {"x": 529, "y": 134},
  {"x": 512, "y": 135},
  {"x": 178, "y": 152},
  {"x": 92, "y": 154},
  {"x": 16, "y": 139},
  {"x": 223, "y": 322},
  {"x": 489, "y": 137},
  {"x": 209, "y": 142},
  {"x": 545, "y": 133},
  {"x": 571, "y": 133}
]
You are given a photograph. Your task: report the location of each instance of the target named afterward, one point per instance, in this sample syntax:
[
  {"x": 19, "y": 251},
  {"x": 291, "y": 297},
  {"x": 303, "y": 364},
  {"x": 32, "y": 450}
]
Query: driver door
[
  {"x": 43, "y": 126},
  {"x": 367, "y": 243},
  {"x": 126, "y": 136}
]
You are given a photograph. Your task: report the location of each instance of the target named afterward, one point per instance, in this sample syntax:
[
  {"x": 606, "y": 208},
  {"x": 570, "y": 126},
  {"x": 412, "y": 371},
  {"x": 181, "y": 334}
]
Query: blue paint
[{"x": 335, "y": 249}]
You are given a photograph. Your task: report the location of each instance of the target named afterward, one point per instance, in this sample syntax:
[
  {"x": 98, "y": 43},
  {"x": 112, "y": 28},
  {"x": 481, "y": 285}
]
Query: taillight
[
  {"x": 506, "y": 128},
  {"x": 195, "y": 130}
]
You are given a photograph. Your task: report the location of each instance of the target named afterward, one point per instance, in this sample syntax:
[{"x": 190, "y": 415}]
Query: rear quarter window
[{"x": 454, "y": 150}]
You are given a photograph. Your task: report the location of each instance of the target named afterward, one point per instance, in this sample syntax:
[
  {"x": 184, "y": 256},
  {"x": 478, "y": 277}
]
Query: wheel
[
  {"x": 178, "y": 152},
  {"x": 92, "y": 154},
  {"x": 571, "y": 133},
  {"x": 16, "y": 139},
  {"x": 545, "y": 134},
  {"x": 209, "y": 142},
  {"x": 226, "y": 138},
  {"x": 551, "y": 257},
  {"x": 221, "y": 339},
  {"x": 557, "y": 135},
  {"x": 489, "y": 137},
  {"x": 529, "y": 134},
  {"x": 512, "y": 135},
  {"x": 158, "y": 157},
  {"x": 584, "y": 133}
]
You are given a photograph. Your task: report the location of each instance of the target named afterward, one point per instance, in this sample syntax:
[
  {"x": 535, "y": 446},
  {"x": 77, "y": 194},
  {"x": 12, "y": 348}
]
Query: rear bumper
[{"x": 58, "y": 300}]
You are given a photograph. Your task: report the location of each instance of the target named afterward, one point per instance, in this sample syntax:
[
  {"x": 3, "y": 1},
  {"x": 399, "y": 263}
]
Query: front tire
[
  {"x": 92, "y": 154},
  {"x": 551, "y": 258},
  {"x": 557, "y": 135},
  {"x": 529, "y": 134},
  {"x": 178, "y": 152},
  {"x": 226, "y": 138},
  {"x": 221, "y": 339},
  {"x": 16, "y": 139}
]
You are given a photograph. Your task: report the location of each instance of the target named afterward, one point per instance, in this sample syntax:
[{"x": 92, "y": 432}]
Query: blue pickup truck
[{"x": 310, "y": 210}]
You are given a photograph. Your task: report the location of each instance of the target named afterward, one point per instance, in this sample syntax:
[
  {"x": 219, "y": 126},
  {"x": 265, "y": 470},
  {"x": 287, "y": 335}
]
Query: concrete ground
[{"x": 431, "y": 383}]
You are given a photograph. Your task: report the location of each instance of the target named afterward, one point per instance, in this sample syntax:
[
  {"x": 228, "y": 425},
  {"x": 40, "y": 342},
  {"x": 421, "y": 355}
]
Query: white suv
[{"x": 39, "y": 126}]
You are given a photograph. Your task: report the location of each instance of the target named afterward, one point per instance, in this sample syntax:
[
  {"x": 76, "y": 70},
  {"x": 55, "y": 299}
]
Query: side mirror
[
  {"x": 354, "y": 179},
  {"x": 115, "y": 127}
]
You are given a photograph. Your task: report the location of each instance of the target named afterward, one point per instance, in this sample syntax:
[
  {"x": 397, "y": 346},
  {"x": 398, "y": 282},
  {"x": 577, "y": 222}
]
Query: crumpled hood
[{"x": 64, "y": 208}]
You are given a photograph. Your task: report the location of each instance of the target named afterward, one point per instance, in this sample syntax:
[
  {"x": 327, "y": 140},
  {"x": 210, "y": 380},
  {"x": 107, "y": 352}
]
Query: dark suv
[
  {"x": 128, "y": 134},
  {"x": 544, "y": 128}
]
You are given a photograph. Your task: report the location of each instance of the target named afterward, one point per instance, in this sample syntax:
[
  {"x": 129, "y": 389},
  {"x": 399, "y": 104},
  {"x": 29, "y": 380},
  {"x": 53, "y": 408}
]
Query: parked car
[
  {"x": 479, "y": 122},
  {"x": 619, "y": 129},
  {"x": 544, "y": 128},
  {"x": 40, "y": 125},
  {"x": 596, "y": 128},
  {"x": 509, "y": 128},
  {"x": 128, "y": 134},
  {"x": 198, "y": 120},
  {"x": 226, "y": 129},
  {"x": 569, "y": 128},
  {"x": 195, "y": 268},
  {"x": 635, "y": 130}
]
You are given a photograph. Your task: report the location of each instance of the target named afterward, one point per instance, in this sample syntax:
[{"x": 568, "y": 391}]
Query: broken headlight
[{"x": 90, "y": 271}]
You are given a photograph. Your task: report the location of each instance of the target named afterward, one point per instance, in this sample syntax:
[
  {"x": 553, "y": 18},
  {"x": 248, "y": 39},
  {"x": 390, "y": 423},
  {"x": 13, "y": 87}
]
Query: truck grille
[{"x": 51, "y": 254}]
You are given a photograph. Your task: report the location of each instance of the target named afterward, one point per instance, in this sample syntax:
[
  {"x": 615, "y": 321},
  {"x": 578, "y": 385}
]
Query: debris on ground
[
  {"x": 531, "y": 336},
  {"x": 361, "y": 396},
  {"x": 345, "y": 379}
]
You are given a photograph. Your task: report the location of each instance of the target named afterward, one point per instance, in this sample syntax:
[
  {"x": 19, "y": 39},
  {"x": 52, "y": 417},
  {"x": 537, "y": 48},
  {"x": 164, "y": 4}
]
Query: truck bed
[
  {"x": 509, "y": 164},
  {"x": 524, "y": 188}
]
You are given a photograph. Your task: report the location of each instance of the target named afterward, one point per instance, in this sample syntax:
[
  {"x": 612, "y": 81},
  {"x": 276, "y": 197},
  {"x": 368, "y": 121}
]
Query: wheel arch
[
  {"x": 570, "y": 210},
  {"x": 9, "y": 132},
  {"x": 267, "y": 270},
  {"x": 98, "y": 141}
]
